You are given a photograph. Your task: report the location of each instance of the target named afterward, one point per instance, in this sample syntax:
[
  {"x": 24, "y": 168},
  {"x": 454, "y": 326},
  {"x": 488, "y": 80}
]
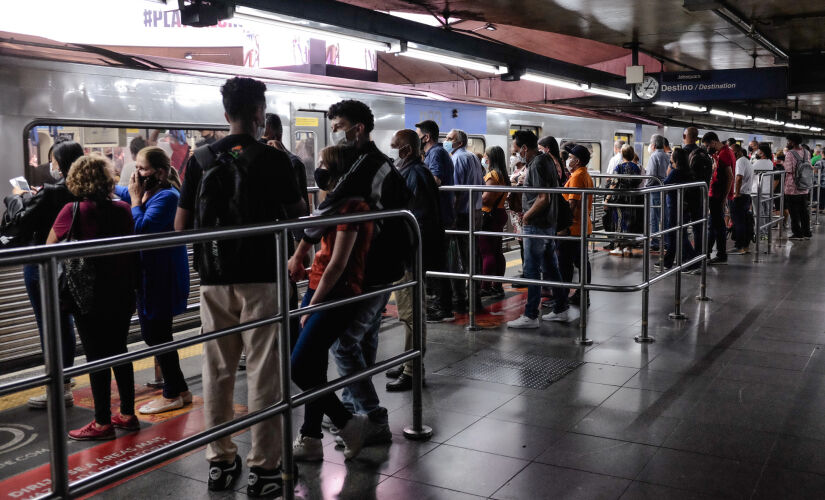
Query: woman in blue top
[
  {"x": 627, "y": 219},
  {"x": 163, "y": 288}
]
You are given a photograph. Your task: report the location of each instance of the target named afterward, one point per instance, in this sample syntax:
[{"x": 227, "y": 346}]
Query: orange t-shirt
[
  {"x": 580, "y": 179},
  {"x": 501, "y": 197},
  {"x": 352, "y": 280}
]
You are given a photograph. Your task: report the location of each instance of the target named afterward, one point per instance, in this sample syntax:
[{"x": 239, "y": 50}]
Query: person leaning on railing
[
  {"x": 28, "y": 219},
  {"x": 102, "y": 312},
  {"x": 163, "y": 288}
]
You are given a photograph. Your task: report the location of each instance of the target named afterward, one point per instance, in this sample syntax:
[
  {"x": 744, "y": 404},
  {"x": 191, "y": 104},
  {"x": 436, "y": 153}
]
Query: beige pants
[
  {"x": 223, "y": 306},
  {"x": 404, "y": 302}
]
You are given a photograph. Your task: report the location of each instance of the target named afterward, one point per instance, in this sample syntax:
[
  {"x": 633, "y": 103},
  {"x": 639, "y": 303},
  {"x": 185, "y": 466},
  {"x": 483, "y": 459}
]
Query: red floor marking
[
  {"x": 143, "y": 394},
  {"x": 36, "y": 482}
]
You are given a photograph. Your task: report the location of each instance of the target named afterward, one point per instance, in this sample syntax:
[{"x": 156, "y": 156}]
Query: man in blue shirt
[
  {"x": 657, "y": 166},
  {"x": 468, "y": 172},
  {"x": 440, "y": 164}
]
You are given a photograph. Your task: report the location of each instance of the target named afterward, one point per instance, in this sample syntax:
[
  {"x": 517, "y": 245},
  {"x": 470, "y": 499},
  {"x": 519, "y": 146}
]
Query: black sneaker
[
  {"x": 222, "y": 475},
  {"x": 439, "y": 316},
  {"x": 395, "y": 372},
  {"x": 265, "y": 483},
  {"x": 718, "y": 261}
]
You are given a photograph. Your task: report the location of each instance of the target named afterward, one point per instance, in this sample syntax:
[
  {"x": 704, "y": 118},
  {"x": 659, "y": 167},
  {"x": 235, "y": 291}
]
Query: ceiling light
[
  {"x": 796, "y": 125},
  {"x": 665, "y": 104},
  {"x": 741, "y": 117},
  {"x": 768, "y": 121},
  {"x": 816, "y": 129},
  {"x": 489, "y": 27},
  {"x": 719, "y": 112},
  {"x": 608, "y": 92},
  {"x": 690, "y": 107},
  {"x": 555, "y": 82},
  {"x": 256, "y": 16},
  {"x": 450, "y": 61},
  {"x": 188, "y": 55}
]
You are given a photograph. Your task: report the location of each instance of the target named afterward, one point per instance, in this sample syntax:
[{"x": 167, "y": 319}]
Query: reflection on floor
[{"x": 727, "y": 404}]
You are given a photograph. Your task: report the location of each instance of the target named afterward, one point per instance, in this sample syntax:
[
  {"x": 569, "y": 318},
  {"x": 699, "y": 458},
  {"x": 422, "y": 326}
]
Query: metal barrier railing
[
  {"x": 766, "y": 199},
  {"x": 583, "y": 240},
  {"x": 49, "y": 257},
  {"x": 813, "y": 201}
]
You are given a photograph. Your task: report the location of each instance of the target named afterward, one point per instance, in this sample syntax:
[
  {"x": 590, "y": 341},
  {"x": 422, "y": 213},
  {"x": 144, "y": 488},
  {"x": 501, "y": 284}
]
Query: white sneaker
[
  {"x": 523, "y": 322},
  {"x": 616, "y": 251},
  {"x": 628, "y": 252},
  {"x": 307, "y": 449},
  {"x": 562, "y": 317},
  {"x": 42, "y": 400},
  {"x": 355, "y": 434},
  {"x": 326, "y": 423}
]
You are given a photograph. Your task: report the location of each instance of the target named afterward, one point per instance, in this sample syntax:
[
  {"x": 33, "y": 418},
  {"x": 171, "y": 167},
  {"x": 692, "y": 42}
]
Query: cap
[{"x": 582, "y": 153}]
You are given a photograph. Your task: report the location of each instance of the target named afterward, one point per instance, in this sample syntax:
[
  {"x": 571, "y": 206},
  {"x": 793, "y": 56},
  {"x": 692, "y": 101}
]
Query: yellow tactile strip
[{"x": 22, "y": 397}]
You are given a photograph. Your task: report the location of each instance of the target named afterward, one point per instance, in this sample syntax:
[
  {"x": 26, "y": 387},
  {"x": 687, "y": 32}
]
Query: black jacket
[{"x": 29, "y": 218}]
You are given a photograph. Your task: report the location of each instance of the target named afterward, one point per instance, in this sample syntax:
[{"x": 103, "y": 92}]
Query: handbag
[
  {"x": 76, "y": 279},
  {"x": 514, "y": 201}
]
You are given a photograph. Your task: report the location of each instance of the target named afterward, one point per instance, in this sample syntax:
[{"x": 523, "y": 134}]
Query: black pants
[
  {"x": 570, "y": 257},
  {"x": 158, "y": 331},
  {"x": 103, "y": 334},
  {"x": 797, "y": 206},
  {"x": 742, "y": 221},
  {"x": 717, "y": 232}
]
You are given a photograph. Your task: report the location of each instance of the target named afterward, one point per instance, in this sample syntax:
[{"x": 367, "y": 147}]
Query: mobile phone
[{"x": 20, "y": 182}]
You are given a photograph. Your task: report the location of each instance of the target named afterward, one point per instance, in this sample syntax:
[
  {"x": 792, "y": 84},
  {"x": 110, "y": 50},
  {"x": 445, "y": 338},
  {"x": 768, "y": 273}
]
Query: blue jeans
[
  {"x": 534, "y": 249},
  {"x": 552, "y": 272},
  {"x": 657, "y": 220},
  {"x": 31, "y": 278},
  {"x": 310, "y": 358},
  {"x": 356, "y": 349}
]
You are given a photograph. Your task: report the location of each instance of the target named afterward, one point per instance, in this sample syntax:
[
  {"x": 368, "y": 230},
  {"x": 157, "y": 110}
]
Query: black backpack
[
  {"x": 564, "y": 214},
  {"x": 701, "y": 164},
  {"x": 222, "y": 201}
]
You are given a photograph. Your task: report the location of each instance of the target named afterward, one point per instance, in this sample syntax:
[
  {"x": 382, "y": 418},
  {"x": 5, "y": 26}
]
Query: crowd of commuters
[{"x": 176, "y": 187}]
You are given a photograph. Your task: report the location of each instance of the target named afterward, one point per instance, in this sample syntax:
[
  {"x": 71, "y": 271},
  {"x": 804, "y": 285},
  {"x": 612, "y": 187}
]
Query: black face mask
[
  {"x": 322, "y": 178},
  {"x": 150, "y": 182}
]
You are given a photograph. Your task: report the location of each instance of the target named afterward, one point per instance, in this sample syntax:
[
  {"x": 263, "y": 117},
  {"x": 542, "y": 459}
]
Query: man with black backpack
[
  {"x": 238, "y": 181},
  {"x": 798, "y": 182}
]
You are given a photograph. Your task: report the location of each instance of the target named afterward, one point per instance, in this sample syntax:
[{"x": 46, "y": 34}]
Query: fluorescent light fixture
[
  {"x": 608, "y": 92},
  {"x": 816, "y": 129},
  {"x": 256, "y": 16},
  {"x": 450, "y": 60},
  {"x": 554, "y": 82},
  {"x": 796, "y": 125},
  {"x": 741, "y": 117},
  {"x": 719, "y": 112},
  {"x": 768, "y": 121},
  {"x": 691, "y": 107},
  {"x": 665, "y": 104}
]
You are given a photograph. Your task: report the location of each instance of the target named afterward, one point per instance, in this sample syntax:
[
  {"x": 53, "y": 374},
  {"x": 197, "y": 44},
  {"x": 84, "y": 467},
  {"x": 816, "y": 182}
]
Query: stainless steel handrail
[
  {"x": 584, "y": 238},
  {"x": 769, "y": 197},
  {"x": 48, "y": 258}
]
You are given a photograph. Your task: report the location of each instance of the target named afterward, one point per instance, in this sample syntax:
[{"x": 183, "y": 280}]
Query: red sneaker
[
  {"x": 93, "y": 432},
  {"x": 129, "y": 423}
]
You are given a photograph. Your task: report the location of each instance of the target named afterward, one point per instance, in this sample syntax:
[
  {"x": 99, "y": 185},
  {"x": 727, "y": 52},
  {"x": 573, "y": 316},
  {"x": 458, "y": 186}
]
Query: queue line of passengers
[{"x": 238, "y": 279}]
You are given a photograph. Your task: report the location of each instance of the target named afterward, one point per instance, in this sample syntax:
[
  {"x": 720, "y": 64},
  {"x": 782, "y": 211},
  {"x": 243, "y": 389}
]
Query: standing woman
[
  {"x": 628, "y": 219},
  {"x": 518, "y": 171},
  {"x": 494, "y": 217},
  {"x": 163, "y": 284},
  {"x": 105, "y": 311},
  {"x": 28, "y": 220}
]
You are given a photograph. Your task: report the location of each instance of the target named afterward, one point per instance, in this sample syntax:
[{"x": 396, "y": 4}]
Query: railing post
[
  {"x": 644, "y": 337},
  {"x": 758, "y": 228},
  {"x": 815, "y": 206},
  {"x": 703, "y": 281},
  {"x": 471, "y": 270},
  {"x": 661, "y": 228},
  {"x": 677, "y": 312},
  {"x": 781, "y": 205},
  {"x": 583, "y": 292},
  {"x": 284, "y": 341},
  {"x": 59, "y": 457},
  {"x": 418, "y": 431}
]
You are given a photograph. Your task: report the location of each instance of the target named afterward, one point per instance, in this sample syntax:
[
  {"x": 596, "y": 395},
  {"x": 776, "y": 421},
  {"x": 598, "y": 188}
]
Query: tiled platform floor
[{"x": 728, "y": 404}]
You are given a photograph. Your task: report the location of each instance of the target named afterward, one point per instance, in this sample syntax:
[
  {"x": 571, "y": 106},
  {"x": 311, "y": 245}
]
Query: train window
[
  {"x": 532, "y": 128},
  {"x": 595, "y": 149},
  {"x": 645, "y": 155},
  {"x": 306, "y": 149},
  {"x": 627, "y": 137},
  {"x": 112, "y": 142},
  {"x": 475, "y": 143}
]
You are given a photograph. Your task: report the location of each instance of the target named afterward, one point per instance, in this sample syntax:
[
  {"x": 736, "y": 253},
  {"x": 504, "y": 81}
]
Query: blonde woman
[
  {"x": 103, "y": 314},
  {"x": 163, "y": 285}
]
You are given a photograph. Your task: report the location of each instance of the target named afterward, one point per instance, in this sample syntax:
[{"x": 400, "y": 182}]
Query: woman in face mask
[
  {"x": 27, "y": 221},
  {"x": 518, "y": 171},
  {"x": 494, "y": 217},
  {"x": 337, "y": 272},
  {"x": 163, "y": 287}
]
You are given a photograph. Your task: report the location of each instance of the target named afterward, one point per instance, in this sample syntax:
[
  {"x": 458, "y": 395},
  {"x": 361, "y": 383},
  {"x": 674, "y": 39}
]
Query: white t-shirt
[
  {"x": 745, "y": 169},
  {"x": 614, "y": 162},
  {"x": 763, "y": 165}
]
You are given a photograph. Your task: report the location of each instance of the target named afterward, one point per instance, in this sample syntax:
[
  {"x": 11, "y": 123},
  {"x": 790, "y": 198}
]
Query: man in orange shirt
[{"x": 569, "y": 251}]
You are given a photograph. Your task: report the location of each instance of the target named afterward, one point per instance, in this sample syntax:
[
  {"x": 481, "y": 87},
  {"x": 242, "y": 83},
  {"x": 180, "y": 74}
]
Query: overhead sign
[
  {"x": 687, "y": 86},
  {"x": 448, "y": 115}
]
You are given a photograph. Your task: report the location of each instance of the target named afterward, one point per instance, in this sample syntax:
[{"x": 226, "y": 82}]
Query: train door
[
  {"x": 532, "y": 128},
  {"x": 309, "y": 137}
]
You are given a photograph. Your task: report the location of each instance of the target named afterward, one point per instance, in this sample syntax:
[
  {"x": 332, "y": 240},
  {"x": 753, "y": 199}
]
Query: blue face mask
[{"x": 448, "y": 145}]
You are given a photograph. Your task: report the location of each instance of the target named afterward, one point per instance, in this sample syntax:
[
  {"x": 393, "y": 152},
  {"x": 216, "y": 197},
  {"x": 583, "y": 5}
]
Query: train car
[{"x": 103, "y": 99}]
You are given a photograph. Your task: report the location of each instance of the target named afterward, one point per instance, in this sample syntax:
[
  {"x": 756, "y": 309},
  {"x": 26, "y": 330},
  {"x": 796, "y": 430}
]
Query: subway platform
[{"x": 726, "y": 404}]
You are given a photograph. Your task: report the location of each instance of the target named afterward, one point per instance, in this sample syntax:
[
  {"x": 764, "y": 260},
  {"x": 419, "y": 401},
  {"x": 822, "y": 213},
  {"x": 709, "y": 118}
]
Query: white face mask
[
  {"x": 55, "y": 172},
  {"x": 485, "y": 163},
  {"x": 570, "y": 164},
  {"x": 513, "y": 162},
  {"x": 339, "y": 137},
  {"x": 394, "y": 154}
]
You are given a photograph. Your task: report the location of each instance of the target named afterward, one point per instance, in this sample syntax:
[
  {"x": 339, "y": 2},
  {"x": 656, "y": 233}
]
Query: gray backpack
[{"x": 803, "y": 174}]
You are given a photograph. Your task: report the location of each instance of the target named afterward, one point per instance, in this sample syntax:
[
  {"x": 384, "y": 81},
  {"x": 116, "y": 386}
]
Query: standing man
[
  {"x": 440, "y": 164},
  {"x": 721, "y": 189},
  {"x": 616, "y": 160},
  {"x": 539, "y": 218},
  {"x": 657, "y": 166},
  {"x": 740, "y": 209},
  {"x": 273, "y": 136},
  {"x": 427, "y": 213},
  {"x": 468, "y": 172},
  {"x": 796, "y": 200},
  {"x": 753, "y": 148},
  {"x": 242, "y": 288}
]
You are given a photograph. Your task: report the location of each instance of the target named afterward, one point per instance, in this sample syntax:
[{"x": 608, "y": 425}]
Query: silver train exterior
[{"x": 185, "y": 95}]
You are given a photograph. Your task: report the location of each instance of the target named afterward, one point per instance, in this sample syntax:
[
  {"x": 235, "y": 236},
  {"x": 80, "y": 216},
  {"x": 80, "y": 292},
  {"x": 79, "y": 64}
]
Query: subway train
[{"x": 103, "y": 99}]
